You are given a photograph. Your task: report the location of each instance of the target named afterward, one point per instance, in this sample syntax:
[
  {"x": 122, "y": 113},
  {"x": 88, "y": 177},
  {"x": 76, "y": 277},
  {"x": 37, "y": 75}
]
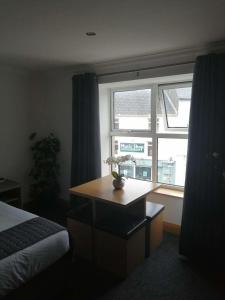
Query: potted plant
[
  {"x": 44, "y": 174},
  {"x": 119, "y": 179}
]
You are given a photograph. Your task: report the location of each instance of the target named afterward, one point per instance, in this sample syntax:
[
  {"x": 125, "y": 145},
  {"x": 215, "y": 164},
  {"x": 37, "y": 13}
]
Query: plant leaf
[{"x": 115, "y": 175}]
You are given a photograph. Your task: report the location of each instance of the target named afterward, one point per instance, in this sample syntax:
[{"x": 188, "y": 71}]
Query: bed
[{"x": 29, "y": 245}]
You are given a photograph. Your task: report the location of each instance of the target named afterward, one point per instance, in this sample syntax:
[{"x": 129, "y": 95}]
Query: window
[
  {"x": 174, "y": 108},
  {"x": 172, "y": 154},
  {"x": 151, "y": 123},
  {"x": 137, "y": 147},
  {"x": 132, "y": 110}
]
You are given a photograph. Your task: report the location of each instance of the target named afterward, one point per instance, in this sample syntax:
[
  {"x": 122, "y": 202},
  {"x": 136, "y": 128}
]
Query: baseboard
[{"x": 171, "y": 228}]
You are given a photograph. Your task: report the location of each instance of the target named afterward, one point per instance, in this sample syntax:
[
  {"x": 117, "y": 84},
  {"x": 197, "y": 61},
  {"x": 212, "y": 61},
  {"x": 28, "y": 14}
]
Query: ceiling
[{"x": 49, "y": 33}]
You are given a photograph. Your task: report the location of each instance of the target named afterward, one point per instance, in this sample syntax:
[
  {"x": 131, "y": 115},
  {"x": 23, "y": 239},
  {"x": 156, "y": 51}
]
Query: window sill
[{"x": 169, "y": 192}]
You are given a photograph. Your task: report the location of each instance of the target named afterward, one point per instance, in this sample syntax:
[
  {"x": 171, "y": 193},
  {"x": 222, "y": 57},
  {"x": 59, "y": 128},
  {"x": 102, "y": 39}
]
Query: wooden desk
[
  {"x": 118, "y": 222},
  {"x": 131, "y": 199},
  {"x": 103, "y": 190}
]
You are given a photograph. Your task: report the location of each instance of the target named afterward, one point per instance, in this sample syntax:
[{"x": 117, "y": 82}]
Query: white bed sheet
[{"x": 18, "y": 268}]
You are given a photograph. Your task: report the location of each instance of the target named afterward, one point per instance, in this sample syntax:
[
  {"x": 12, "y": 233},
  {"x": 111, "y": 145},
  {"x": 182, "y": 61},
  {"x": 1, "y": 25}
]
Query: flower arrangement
[{"x": 116, "y": 161}]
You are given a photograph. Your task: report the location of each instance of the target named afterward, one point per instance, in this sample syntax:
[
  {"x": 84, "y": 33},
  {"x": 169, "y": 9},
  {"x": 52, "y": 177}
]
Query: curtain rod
[{"x": 145, "y": 69}]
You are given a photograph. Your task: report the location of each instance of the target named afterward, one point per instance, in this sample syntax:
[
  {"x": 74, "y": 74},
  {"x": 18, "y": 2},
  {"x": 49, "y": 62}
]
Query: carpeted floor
[{"x": 163, "y": 276}]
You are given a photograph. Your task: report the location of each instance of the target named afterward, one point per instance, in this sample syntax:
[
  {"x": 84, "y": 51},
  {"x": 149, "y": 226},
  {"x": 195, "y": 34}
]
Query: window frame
[
  {"x": 162, "y": 104},
  {"x": 151, "y": 133},
  {"x": 126, "y": 89}
]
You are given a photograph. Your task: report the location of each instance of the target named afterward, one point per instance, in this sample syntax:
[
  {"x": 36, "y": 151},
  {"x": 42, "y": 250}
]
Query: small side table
[{"x": 10, "y": 193}]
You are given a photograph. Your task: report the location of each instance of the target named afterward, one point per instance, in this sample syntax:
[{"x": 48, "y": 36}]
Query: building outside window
[{"x": 151, "y": 124}]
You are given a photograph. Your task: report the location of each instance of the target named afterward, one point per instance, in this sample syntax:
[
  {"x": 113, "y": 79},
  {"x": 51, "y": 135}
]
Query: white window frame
[
  {"x": 151, "y": 133},
  {"x": 163, "y": 108},
  {"x": 133, "y": 88}
]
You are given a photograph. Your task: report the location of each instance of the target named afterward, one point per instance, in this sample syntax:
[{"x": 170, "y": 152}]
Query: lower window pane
[
  {"x": 172, "y": 157},
  {"x": 141, "y": 149},
  {"x": 144, "y": 172}
]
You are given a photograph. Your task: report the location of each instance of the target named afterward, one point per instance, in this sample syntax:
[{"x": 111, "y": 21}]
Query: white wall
[
  {"x": 14, "y": 126},
  {"x": 33, "y": 102},
  {"x": 52, "y": 112},
  {"x": 173, "y": 207}
]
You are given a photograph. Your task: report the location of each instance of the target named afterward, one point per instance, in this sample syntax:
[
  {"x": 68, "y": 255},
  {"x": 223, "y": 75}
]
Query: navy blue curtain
[
  {"x": 203, "y": 221},
  {"x": 86, "y": 155}
]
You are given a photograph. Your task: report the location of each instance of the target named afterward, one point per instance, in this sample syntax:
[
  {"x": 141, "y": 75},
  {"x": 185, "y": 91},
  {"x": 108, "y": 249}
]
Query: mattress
[{"x": 21, "y": 266}]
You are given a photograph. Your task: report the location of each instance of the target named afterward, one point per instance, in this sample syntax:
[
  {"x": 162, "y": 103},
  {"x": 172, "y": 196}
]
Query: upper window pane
[
  {"x": 173, "y": 113},
  {"x": 177, "y": 105},
  {"x": 132, "y": 110}
]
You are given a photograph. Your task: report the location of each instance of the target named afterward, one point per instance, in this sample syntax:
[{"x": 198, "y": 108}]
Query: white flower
[{"x": 112, "y": 160}]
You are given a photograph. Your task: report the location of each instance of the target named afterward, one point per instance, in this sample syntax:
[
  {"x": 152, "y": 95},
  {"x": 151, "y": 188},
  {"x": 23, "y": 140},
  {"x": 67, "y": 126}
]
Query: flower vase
[{"x": 118, "y": 184}]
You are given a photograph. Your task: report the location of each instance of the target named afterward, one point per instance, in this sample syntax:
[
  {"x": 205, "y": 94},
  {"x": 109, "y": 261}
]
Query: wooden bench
[{"x": 154, "y": 226}]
